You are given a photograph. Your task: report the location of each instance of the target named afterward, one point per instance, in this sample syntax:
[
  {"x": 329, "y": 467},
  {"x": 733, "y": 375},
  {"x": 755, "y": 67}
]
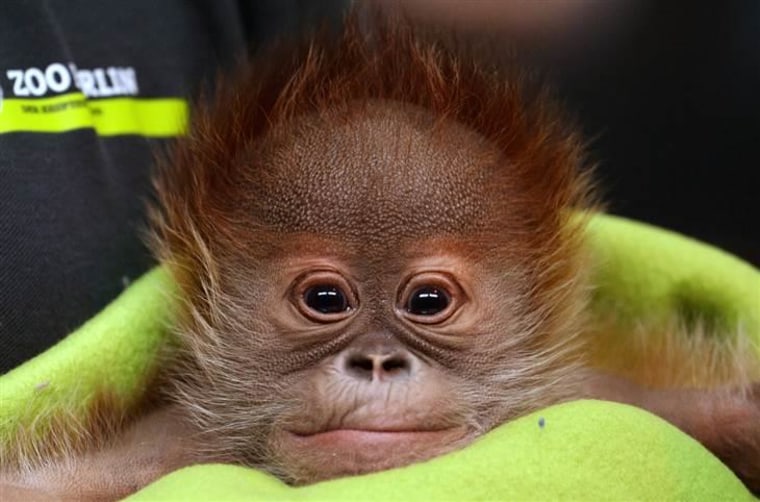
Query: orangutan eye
[
  {"x": 428, "y": 301},
  {"x": 326, "y": 299}
]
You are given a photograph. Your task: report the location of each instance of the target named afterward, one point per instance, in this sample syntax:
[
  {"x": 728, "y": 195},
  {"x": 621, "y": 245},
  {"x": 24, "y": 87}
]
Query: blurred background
[{"x": 669, "y": 93}]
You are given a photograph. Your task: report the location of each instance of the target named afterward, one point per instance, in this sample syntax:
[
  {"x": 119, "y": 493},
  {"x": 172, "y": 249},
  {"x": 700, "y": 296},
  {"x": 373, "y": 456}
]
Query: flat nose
[
  {"x": 378, "y": 367},
  {"x": 378, "y": 358}
]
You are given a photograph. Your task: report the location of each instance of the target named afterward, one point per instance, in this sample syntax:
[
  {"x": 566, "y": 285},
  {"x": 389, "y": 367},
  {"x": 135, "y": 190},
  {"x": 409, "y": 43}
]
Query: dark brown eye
[
  {"x": 428, "y": 301},
  {"x": 326, "y": 299}
]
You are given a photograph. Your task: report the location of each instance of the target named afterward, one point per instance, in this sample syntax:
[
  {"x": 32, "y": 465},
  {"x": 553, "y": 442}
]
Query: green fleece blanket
[{"x": 584, "y": 450}]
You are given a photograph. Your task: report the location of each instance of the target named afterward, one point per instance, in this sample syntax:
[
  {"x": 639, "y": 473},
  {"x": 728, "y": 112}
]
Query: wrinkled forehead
[{"x": 382, "y": 172}]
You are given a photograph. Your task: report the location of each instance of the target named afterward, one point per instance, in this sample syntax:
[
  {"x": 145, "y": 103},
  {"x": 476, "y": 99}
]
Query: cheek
[
  {"x": 503, "y": 314},
  {"x": 504, "y": 293}
]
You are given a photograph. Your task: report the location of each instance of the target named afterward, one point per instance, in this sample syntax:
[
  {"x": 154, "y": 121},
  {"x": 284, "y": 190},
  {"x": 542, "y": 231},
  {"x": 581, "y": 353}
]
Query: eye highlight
[
  {"x": 323, "y": 296},
  {"x": 430, "y": 297},
  {"x": 326, "y": 299},
  {"x": 427, "y": 301}
]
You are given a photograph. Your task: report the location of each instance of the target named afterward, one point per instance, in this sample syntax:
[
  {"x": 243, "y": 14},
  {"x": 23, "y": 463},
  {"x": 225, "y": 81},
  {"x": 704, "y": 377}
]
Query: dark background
[
  {"x": 671, "y": 96},
  {"x": 668, "y": 92}
]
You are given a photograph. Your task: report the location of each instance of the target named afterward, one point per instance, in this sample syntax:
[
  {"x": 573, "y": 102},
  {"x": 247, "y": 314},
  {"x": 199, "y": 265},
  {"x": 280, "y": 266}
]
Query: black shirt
[{"x": 88, "y": 91}]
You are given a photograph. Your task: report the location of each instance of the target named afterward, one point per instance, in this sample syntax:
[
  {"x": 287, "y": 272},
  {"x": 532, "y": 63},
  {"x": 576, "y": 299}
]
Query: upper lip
[
  {"x": 391, "y": 427},
  {"x": 368, "y": 429}
]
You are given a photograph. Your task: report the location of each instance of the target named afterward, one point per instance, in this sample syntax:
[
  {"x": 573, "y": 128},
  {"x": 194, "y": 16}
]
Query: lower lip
[
  {"x": 357, "y": 438},
  {"x": 342, "y": 452}
]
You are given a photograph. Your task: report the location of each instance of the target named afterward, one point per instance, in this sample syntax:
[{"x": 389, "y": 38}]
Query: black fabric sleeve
[{"x": 72, "y": 194}]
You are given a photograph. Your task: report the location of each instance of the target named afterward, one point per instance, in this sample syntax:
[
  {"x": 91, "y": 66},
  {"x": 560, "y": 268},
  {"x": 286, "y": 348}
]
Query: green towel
[{"x": 584, "y": 450}]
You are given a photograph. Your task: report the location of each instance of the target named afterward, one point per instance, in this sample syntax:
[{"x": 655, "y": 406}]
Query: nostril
[
  {"x": 395, "y": 364},
  {"x": 360, "y": 365},
  {"x": 372, "y": 366}
]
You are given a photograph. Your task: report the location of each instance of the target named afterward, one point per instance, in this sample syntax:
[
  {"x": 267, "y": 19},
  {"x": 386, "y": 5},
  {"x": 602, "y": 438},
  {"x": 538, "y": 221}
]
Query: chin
[{"x": 308, "y": 458}]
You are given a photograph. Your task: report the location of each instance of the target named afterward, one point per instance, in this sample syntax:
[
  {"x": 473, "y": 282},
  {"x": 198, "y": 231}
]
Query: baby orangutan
[{"x": 378, "y": 246}]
